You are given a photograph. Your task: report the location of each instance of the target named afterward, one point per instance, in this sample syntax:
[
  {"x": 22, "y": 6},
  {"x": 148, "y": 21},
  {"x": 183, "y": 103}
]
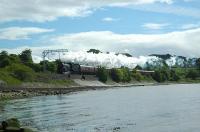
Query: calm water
[{"x": 170, "y": 108}]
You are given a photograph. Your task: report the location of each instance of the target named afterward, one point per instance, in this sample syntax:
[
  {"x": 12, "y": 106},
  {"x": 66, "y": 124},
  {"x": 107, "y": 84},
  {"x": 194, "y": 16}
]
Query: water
[{"x": 169, "y": 108}]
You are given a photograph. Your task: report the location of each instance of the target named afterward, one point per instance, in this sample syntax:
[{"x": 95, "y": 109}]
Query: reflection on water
[{"x": 169, "y": 108}]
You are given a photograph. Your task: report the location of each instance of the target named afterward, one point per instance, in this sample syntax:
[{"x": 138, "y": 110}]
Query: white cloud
[
  {"x": 16, "y": 33},
  {"x": 155, "y": 26},
  {"x": 109, "y": 19},
  {"x": 47, "y": 10},
  {"x": 180, "y": 42},
  {"x": 172, "y": 9},
  {"x": 184, "y": 43},
  {"x": 190, "y": 26}
]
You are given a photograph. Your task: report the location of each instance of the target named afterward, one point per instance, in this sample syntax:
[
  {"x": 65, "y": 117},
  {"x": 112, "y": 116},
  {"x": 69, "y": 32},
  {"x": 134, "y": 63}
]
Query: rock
[
  {"x": 13, "y": 125},
  {"x": 13, "y": 122}
]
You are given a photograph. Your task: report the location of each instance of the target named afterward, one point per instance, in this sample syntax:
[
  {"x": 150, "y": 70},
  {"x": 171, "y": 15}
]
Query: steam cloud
[{"x": 109, "y": 60}]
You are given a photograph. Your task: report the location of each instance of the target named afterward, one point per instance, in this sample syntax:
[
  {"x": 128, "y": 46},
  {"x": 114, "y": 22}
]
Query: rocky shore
[{"x": 7, "y": 93}]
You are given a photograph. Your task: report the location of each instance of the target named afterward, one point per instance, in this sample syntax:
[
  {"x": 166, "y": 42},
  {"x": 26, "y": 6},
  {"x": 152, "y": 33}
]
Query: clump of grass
[
  {"x": 8, "y": 79},
  {"x": 62, "y": 82}
]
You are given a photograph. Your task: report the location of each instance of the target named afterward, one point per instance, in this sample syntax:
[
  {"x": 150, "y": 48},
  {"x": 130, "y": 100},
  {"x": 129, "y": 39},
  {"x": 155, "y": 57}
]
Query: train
[{"x": 73, "y": 68}]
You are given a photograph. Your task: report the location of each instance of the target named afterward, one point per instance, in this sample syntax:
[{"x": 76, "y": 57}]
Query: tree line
[{"x": 15, "y": 68}]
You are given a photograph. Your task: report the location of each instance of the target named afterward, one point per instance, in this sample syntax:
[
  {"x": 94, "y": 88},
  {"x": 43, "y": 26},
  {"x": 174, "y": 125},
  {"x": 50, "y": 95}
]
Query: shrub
[
  {"x": 193, "y": 74},
  {"x": 161, "y": 75},
  {"x": 6, "y": 77},
  {"x": 136, "y": 75},
  {"x": 21, "y": 72},
  {"x": 36, "y": 67},
  {"x": 174, "y": 76},
  {"x": 116, "y": 75},
  {"x": 126, "y": 76},
  {"x": 102, "y": 74}
]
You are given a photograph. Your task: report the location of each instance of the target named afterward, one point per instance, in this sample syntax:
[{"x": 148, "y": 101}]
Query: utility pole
[{"x": 46, "y": 53}]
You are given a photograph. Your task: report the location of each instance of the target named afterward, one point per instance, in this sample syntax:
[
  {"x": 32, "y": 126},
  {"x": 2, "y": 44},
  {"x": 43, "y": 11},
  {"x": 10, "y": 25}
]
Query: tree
[
  {"x": 174, "y": 76},
  {"x": 138, "y": 67},
  {"x": 26, "y": 56},
  {"x": 94, "y": 51},
  {"x": 4, "y": 59},
  {"x": 50, "y": 66},
  {"x": 59, "y": 66},
  {"x": 14, "y": 58},
  {"x": 5, "y": 62},
  {"x": 102, "y": 74},
  {"x": 161, "y": 75},
  {"x": 198, "y": 63}
]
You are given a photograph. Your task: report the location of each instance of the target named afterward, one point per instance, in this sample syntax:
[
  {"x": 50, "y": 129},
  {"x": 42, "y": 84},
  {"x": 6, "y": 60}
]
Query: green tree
[
  {"x": 36, "y": 67},
  {"x": 138, "y": 67},
  {"x": 59, "y": 66},
  {"x": 4, "y": 59},
  {"x": 102, "y": 74},
  {"x": 161, "y": 75},
  {"x": 95, "y": 51},
  {"x": 26, "y": 56},
  {"x": 14, "y": 58},
  {"x": 174, "y": 76},
  {"x": 198, "y": 64}
]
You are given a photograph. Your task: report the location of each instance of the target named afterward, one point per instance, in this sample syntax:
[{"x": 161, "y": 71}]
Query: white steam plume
[{"x": 109, "y": 60}]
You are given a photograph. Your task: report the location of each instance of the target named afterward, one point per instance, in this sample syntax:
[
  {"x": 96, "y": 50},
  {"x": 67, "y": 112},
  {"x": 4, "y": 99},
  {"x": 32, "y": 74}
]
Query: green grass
[
  {"x": 62, "y": 82},
  {"x": 8, "y": 79}
]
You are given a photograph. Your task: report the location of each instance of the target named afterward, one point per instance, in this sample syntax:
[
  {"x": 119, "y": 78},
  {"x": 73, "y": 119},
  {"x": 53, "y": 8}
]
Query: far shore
[{"x": 8, "y": 93}]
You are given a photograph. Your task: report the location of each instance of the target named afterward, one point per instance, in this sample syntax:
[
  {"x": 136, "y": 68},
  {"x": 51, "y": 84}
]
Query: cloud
[
  {"x": 179, "y": 42},
  {"x": 16, "y": 33},
  {"x": 190, "y": 26},
  {"x": 48, "y": 10},
  {"x": 169, "y": 9},
  {"x": 155, "y": 26},
  {"x": 109, "y": 19},
  {"x": 184, "y": 43}
]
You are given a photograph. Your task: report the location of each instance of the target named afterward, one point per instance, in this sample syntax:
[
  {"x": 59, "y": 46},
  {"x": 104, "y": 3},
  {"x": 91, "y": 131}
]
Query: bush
[
  {"x": 116, "y": 75},
  {"x": 102, "y": 74},
  {"x": 136, "y": 75},
  {"x": 126, "y": 76},
  {"x": 161, "y": 75},
  {"x": 21, "y": 72},
  {"x": 193, "y": 74},
  {"x": 6, "y": 77},
  {"x": 5, "y": 62},
  {"x": 174, "y": 76},
  {"x": 35, "y": 67}
]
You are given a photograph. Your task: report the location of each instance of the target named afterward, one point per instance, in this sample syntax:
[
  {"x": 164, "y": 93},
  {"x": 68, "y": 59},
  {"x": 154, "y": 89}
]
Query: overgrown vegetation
[
  {"x": 16, "y": 69},
  {"x": 161, "y": 74}
]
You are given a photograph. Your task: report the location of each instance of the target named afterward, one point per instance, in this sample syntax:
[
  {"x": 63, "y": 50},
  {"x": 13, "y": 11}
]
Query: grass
[
  {"x": 8, "y": 79},
  {"x": 62, "y": 82}
]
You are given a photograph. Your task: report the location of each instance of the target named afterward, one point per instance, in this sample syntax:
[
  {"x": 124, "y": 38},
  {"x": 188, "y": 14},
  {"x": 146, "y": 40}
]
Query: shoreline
[{"x": 10, "y": 93}]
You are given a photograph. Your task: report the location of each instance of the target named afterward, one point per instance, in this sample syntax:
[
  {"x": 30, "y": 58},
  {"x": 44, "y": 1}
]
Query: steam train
[{"x": 73, "y": 68}]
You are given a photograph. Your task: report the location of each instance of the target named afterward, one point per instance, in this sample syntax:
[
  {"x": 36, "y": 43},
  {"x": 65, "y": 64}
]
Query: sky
[{"x": 138, "y": 27}]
